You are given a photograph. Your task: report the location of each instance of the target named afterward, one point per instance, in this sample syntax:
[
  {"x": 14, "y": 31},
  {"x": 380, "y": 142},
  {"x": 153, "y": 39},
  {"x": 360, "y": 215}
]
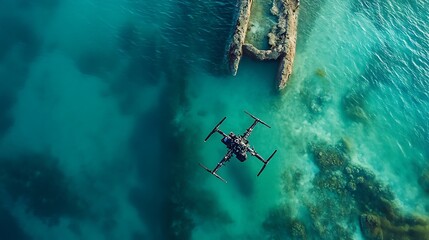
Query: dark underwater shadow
[
  {"x": 241, "y": 177},
  {"x": 36, "y": 180},
  {"x": 10, "y": 228},
  {"x": 6, "y": 120},
  {"x": 169, "y": 200},
  {"x": 19, "y": 46}
]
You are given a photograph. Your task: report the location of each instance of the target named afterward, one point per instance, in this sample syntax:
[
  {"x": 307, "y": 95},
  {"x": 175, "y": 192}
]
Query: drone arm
[
  {"x": 225, "y": 159},
  {"x": 265, "y": 163},
  {"x": 222, "y": 133},
  {"x": 250, "y": 129},
  {"x": 255, "y": 154}
]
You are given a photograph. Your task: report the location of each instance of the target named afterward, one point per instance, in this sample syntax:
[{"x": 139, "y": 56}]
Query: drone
[{"x": 237, "y": 145}]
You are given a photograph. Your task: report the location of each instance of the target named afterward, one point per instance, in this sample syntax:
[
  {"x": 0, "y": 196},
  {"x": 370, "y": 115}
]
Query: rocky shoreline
[
  {"x": 235, "y": 51},
  {"x": 281, "y": 38}
]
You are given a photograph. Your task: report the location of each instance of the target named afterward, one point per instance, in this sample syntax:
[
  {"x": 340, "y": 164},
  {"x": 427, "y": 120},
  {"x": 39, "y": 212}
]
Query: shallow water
[
  {"x": 107, "y": 103},
  {"x": 260, "y": 24}
]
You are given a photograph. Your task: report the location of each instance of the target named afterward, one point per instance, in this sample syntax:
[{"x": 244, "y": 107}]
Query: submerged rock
[
  {"x": 354, "y": 107},
  {"x": 320, "y": 72},
  {"x": 329, "y": 157}
]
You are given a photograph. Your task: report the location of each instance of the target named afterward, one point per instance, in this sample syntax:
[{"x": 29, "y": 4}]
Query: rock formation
[
  {"x": 235, "y": 48},
  {"x": 282, "y": 38}
]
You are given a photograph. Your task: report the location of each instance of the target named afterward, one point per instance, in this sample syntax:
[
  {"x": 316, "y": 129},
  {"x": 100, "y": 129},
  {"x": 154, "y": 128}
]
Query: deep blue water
[{"x": 104, "y": 105}]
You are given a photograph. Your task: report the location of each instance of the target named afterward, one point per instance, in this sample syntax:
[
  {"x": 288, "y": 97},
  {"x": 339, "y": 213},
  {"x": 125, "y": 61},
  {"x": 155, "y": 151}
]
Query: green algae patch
[
  {"x": 354, "y": 107},
  {"x": 320, "y": 73},
  {"x": 376, "y": 227}
]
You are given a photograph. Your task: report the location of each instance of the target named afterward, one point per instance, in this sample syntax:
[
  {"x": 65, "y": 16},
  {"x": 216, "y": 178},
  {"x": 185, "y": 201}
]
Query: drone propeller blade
[
  {"x": 262, "y": 169},
  {"x": 208, "y": 170},
  {"x": 271, "y": 156},
  {"x": 214, "y": 129},
  {"x": 257, "y": 119},
  {"x": 213, "y": 173},
  {"x": 216, "y": 175},
  {"x": 266, "y": 162}
]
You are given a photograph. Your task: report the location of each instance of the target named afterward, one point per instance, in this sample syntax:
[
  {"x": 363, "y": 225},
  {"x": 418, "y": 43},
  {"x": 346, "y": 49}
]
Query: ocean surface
[{"x": 104, "y": 106}]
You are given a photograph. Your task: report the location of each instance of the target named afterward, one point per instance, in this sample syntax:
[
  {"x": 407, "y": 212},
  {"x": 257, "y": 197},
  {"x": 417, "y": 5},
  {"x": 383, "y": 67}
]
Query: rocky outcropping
[
  {"x": 286, "y": 64},
  {"x": 282, "y": 39},
  {"x": 235, "y": 48}
]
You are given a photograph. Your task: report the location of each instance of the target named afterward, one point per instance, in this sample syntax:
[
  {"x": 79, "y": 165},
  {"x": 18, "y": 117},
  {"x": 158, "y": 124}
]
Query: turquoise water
[{"x": 104, "y": 106}]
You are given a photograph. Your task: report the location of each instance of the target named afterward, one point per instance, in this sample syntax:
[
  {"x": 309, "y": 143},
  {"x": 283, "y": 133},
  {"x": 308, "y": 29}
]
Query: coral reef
[
  {"x": 375, "y": 227},
  {"x": 347, "y": 193},
  {"x": 382, "y": 219},
  {"x": 329, "y": 157},
  {"x": 338, "y": 174},
  {"x": 280, "y": 225}
]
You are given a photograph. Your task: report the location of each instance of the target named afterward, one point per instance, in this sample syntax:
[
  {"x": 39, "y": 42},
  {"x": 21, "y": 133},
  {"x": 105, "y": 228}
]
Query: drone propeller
[
  {"x": 213, "y": 173},
  {"x": 266, "y": 162},
  {"x": 214, "y": 129},
  {"x": 257, "y": 119}
]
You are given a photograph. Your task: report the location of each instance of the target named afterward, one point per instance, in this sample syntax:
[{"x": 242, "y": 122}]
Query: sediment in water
[{"x": 281, "y": 38}]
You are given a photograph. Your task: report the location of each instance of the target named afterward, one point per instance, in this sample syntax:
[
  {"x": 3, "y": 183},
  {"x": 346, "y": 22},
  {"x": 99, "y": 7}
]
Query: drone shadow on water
[
  {"x": 239, "y": 175},
  {"x": 168, "y": 200}
]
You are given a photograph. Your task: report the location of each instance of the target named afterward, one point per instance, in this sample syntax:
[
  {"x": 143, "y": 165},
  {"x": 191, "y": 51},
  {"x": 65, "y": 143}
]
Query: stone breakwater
[
  {"x": 281, "y": 38},
  {"x": 235, "y": 50}
]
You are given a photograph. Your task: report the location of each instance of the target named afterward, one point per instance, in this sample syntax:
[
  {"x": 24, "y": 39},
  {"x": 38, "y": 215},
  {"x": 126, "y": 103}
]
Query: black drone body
[{"x": 237, "y": 145}]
